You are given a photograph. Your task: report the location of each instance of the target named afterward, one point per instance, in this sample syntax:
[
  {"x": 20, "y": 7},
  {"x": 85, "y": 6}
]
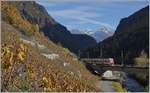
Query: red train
[
  {"x": 105, "y": 61},
  {"x": 109, "y": 61}
]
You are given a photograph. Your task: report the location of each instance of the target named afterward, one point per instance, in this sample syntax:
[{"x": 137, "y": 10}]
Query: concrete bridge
[{"x": 97, "y": 64}]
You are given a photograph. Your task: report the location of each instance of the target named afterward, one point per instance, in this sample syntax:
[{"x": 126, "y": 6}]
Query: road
[{"x": 106, "y": 86}]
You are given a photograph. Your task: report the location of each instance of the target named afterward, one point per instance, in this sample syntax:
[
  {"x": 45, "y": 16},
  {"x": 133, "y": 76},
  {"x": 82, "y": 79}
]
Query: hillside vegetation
[
  {"x": 31, "y": 62},
  {"x": 12, "y": 15}
]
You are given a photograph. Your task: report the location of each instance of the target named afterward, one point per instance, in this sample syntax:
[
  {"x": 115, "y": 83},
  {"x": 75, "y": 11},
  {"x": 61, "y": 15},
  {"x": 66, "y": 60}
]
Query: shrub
[
  {"x": 14, "y": 17},
  {"x": 118, "y": 87},
  {"x": 141, "y": 61},
  {"x": 66, "y": 50},
  {"x": 27, "y": 33},
  {"x": 20, "y": 84}
]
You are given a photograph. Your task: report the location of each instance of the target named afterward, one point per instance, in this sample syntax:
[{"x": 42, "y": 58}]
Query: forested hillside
[{"x": 130, "y": 40}]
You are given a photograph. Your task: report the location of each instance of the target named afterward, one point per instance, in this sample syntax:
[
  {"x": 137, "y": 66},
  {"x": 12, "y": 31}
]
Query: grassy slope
[{"x": 35, "y": 72}]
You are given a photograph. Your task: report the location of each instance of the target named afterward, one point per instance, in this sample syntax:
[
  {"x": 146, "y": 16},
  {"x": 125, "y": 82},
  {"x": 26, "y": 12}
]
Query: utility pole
[
  {"x": 87, "y": 54},
  {"x": 101, "y": 52},
  {"x": 122, "y": 57}
]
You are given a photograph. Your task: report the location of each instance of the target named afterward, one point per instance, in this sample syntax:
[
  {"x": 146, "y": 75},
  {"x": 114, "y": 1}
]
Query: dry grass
[
  {"x": 25, "y": 69},
  {"x": 37, "y": 73},
  {"x": 141, "y": 61}
]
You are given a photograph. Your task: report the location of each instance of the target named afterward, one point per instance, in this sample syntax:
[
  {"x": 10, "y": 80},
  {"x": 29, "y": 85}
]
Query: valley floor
[{"x": 106, "y": 86}]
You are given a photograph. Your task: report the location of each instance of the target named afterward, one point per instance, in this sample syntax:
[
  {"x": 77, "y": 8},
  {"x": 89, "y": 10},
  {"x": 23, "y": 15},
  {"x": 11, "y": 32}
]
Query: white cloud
[
  {"x": 88, "y": 20},
  {"x": 74, "y": 12},
  {"x": 84, "y": 13},
  {"x": 79, "y": 17}
]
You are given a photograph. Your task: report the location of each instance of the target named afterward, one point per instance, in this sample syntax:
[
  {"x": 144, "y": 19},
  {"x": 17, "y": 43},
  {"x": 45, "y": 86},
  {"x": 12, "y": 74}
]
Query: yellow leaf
[
  {"x": 45, "y": 88},
  {"x": 23, "y": 47},
  {"x": 45, "y": 79},
  {"x": 21, "y": 55},
  {"x": 11, "y": 56}
]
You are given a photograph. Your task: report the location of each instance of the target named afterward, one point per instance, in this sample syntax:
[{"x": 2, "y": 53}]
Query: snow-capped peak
[
  {"x": 99, "y": 35},
  {"x": 106, "y": 30}
]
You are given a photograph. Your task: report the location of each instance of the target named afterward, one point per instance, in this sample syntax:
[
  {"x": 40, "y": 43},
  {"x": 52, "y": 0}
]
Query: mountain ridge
[
  {"x": 130, "y": 38},
  {"x": 56, "y": 32}
]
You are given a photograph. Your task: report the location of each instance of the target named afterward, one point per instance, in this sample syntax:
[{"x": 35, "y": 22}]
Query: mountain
[
  {"x": 131, "y": 39},
  {"x": 98, "y": 35},
  {"x": 36, "y": 14},
  {"x": 31, "y": 62}
]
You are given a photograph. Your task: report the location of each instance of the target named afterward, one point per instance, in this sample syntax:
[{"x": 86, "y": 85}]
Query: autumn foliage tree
[
  {"x": 14, "y": 17},
  {"x": 10, "y": 56}
]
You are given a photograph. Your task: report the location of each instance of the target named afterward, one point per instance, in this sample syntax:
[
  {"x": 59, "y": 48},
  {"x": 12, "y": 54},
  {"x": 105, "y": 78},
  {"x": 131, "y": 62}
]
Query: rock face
[
  {"x": 130, "y": 39},
  {"x": 37, "y": 14}
]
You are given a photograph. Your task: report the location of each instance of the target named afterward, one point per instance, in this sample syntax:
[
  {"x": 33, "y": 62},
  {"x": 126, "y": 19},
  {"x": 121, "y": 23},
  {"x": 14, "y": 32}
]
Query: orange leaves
[
  {"x": 9, "y": 55},
  {"x": 10, "y": 12},
  {"x": 53, "y": 79},
  {"x": 45, "y": 80},
  {"x": 21, "y": 52},
  {"x": 21, "y": 55},
  {"x": 15, "y": 18},
  {"x": 23, "y": 47},
  {"x": 31, "y": 72},
  {"x": 63, "y": 82},
  {"x": 49, "y": 82},
  {"x": 16, "y": 83}
]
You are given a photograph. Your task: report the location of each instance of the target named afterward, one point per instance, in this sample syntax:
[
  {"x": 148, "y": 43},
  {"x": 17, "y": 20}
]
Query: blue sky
[{"x": 91, "y": 14}]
